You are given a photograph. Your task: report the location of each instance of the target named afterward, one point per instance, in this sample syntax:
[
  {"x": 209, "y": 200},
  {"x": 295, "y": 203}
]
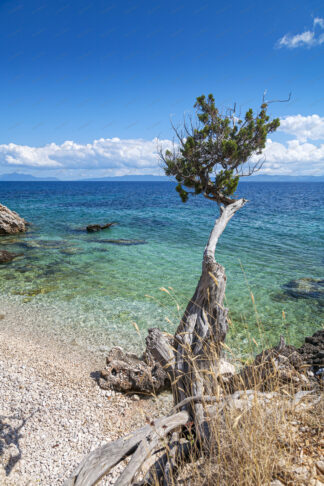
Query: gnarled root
[{"x": 141, "y": 443}]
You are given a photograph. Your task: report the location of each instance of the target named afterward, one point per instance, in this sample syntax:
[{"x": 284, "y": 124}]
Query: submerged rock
[
  {"x": 11, "y": 222},
  {"x": 70, "y": 251},
  {"x": 123, "y": 242},
  {"x": 10, "y": 241},
  {"x": 92, "y": 228},
  {"x": 305, "y": 288},
  {"x": 7, "y": 256},
  {"x": 45, "y": 244}
]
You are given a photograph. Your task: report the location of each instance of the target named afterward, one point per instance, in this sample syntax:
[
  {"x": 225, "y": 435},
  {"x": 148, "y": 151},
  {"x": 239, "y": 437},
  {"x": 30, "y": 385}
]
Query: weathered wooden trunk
[{"x": 202, "y": 329}]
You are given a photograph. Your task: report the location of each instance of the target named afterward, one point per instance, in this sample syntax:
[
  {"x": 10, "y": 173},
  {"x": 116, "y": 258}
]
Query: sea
[{"x": 141, "y": 272}]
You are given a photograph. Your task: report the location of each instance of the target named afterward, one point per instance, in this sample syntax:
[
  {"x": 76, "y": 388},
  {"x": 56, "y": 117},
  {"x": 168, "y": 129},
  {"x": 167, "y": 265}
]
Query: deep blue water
[{"x": 276, "y": 238}]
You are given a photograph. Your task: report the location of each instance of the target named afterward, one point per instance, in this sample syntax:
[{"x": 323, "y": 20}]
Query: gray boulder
[{"x": 10, "y": 222}]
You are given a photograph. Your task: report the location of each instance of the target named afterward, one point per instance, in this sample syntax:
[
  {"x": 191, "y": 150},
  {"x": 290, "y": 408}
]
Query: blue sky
[{"x": 87, "y": 87}]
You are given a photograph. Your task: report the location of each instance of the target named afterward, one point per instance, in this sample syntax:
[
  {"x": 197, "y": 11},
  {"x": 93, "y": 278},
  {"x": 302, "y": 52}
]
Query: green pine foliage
[{"x": 210, "y": 158}]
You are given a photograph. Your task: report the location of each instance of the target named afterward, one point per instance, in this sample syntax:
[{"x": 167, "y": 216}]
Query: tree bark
[{"x": 203, "y": 328}]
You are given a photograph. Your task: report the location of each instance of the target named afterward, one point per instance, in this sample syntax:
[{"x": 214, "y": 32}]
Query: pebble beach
[{"x": 52, "y": 411}]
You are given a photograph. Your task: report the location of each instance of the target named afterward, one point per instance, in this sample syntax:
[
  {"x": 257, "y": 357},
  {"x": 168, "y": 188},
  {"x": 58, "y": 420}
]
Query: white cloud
[
  {"x": 319, "y": 21},
  {"x": 293, "y": 158},
  {"x": 297, "y": 156},
  {"x": 303, "y": 127},
  {"x": 123, "y": 155},
  {"x": 300, "y": 156},
  {"x": 308, "y": 38}
]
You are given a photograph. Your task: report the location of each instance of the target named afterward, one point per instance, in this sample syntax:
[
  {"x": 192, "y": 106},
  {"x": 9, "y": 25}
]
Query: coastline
[{"x": 52, "y": 412}]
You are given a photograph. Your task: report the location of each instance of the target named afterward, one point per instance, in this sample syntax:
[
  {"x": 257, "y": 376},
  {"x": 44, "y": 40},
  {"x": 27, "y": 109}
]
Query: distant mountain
[
  {"x": 129, "y": 178},
  {"x": 256, "y": 178},
  {"x": 15, "y": 177},
  {"x": 282, "y": 178}
]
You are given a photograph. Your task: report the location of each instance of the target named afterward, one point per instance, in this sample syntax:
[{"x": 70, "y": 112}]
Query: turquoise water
[{"x": 88, "y": 282}]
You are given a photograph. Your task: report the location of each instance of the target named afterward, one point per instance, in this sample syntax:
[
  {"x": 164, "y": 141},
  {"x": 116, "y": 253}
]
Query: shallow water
[{"x": 89, "y": 282}]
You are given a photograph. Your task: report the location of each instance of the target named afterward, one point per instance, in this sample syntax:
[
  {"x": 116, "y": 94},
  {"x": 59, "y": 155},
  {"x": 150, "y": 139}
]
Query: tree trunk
[{"x": 202, "y": 329}]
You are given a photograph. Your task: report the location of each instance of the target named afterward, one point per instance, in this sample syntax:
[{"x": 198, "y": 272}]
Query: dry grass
[
  {"x": 256, "y": 447},
  {"x": 262, "y": 439}
]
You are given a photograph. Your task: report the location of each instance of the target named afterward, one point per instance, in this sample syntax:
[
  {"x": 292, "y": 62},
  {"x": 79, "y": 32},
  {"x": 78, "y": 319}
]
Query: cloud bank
[
  {"x": 124, "y": 156},
  {"x": 303, "y": 155},
  {"x": 308, "y": 38},
  {"x": 303, "y": 127}
]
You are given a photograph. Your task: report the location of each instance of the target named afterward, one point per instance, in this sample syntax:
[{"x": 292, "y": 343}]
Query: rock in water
[
  {"x": 305, "y": 288},
  {"x": 123, "y": 242},
  {"x": 93, "y": 228},
  {"x": 7, "y": 256},
  {"x": 11, "y": 222}
]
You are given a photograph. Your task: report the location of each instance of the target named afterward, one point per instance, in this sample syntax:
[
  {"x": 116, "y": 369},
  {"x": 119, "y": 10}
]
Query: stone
[
  {"x": 305, "y": 288},
  {"x": 44, "y": 244},
  {"x": 7, "y": 256},
  {"x": 245, "y": 400},
  {"x": 278, "y": 366},
  {"x": 302, "y": 473},
  {"x": 93, "y": 228},
  {"x": 312, "y": 351},
  {"x": 10, "y": 222},
  {"x": 320, "y": 466},
  {"x": 70, "y": 251},
  {"x": 123, "y": 242},
  {"x": 225, "y": 368}
]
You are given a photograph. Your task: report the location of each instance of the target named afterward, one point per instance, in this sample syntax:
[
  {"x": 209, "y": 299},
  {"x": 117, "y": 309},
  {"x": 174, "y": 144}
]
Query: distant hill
[
  {"x": 256, "y": 178},
  {"x": 282, "y": 178},
  {"x": 129, "y": 178},
  {"x": 15, "y": 177}
]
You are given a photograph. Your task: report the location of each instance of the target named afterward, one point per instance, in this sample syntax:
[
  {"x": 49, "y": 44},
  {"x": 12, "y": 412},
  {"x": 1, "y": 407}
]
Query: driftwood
[
  {"x": 140, "y": 443},
  {"x": 189, "y": 361},
  {"x": 149, "y": 374}
]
